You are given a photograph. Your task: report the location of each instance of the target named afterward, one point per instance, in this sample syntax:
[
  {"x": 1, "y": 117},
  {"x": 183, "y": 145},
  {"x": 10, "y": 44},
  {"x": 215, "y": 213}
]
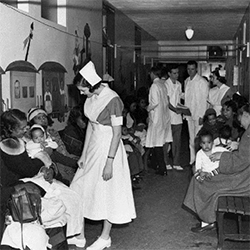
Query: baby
[
  {"x": 129, "y": 137},
  {"x": 203, "y": 165},
  {"x": 39, "y": 141}
]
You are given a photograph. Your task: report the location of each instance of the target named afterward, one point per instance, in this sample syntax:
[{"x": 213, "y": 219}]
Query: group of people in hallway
[{"x": 93, "y": 145}]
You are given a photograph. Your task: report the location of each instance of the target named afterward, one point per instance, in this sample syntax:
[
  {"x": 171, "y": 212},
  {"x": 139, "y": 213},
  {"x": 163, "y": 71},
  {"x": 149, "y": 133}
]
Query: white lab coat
[
  {"x": 196, "y": 94},
  {"x": 159, "y": 126}
]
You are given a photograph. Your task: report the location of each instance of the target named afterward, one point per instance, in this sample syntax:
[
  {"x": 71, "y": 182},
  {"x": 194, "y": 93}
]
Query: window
[{"x": 54, "y": 10}]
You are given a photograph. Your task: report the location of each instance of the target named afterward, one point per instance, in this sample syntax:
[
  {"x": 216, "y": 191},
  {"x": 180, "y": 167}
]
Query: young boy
[{"x": 203, "y": 165}]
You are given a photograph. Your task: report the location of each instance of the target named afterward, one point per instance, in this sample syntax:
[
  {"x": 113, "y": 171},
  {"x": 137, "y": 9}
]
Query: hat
[
  {"x": 210, "y": 111},
  {"x": 37, "y": 126},
  {"x": 107, "y": 78},
  {"x": 89, "y": 74},
  {"x": 33, "y": 112}
]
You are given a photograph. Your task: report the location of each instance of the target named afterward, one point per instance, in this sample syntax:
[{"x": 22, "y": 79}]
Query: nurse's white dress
[{"x": 113, "y": 199}]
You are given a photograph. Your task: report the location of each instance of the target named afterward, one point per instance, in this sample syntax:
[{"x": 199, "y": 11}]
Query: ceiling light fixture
[{"x": 189, "y": 32}]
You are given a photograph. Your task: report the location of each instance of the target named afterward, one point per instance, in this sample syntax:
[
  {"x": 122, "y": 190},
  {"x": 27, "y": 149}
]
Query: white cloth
[
  {"x": 63, "y": 195},
  {"x": 159, "y": 125},
  {"x": 174, "y": 93},
  {"x": 196, "y": 94},
  {"x": 33, "y": 148},
  {"x": 204, "y": 163},
  {"x": 142, "y": 135},
  {"x": 34, "y": 236},
  {"x": 215, "y": 96},
  {"x": 113, "y": 199},
  {"x": 130, "y": 121}
]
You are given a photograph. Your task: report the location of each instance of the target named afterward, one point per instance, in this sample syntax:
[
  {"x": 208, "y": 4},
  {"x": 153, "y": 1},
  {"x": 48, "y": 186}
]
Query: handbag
[{"x": 25, "y": 207}]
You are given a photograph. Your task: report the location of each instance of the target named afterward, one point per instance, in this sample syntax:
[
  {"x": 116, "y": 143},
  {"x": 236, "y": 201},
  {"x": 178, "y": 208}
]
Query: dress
[
  {"x": 233, "y": 179},
  {"x": 111, "y": 200},
  {"x": 215, "y": 97},
  {"x": 159, "y": 125}
]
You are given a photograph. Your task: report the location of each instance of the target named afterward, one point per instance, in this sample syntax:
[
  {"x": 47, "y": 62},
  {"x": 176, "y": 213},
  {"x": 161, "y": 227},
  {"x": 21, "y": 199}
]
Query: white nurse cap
[{"x": 89, "y": 74}]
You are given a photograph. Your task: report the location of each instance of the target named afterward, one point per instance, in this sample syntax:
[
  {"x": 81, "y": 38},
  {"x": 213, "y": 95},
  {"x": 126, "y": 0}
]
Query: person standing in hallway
[
  {"x": 196, "y": 94},
  {"x": 159, "y": 125},
  {"x": 103, "y": 177},
  {"x": 219, "y": 94},
  {"x": 174, "y": 94}
]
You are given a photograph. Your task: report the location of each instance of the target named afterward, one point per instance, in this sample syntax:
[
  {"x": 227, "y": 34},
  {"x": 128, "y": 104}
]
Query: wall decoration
[
  {"x": 47, "y": 98},
  {"x": 77, "y": 54},
  {"x": 28, "y": 40},
  {"x": 32, "y": 92},
  {"x": 25, "y": 92},
  {"x": 17, "y": 90}
]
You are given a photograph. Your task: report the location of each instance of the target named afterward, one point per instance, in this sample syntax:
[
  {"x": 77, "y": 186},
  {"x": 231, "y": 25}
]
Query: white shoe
[
  {"x": 169, "y": 167},
  {"x": 100, "y": 244},
  {"x": 178, "y": 168},
  {"x": 76, "y": 241}
]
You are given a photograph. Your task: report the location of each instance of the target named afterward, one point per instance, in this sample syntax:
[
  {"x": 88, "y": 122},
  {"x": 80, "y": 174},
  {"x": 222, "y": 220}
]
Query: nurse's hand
[
  {"x": 107, "y": 173},
  {"x": 80, "y": 163}
]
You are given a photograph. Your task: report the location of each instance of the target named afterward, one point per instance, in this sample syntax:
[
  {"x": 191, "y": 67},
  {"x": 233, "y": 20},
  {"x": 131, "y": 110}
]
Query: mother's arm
[
  {"x": 235, "y": 161},
  {"x": 22, "y": 165}
]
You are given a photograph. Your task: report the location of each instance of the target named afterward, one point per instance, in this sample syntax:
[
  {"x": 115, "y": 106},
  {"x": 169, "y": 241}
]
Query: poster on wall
[
  {"x": 17, "y": 90},
  {"x": 22, "y": 86}
]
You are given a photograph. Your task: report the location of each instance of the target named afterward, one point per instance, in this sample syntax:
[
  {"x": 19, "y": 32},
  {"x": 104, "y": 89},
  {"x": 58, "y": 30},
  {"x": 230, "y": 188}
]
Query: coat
[
  {"x": 233, "y": 179},
  {"x": 159, "y": 124}
]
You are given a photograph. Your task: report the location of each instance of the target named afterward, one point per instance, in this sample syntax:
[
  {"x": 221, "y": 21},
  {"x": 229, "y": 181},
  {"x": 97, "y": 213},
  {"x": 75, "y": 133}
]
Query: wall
[
  {"x": 51, "y": 42},
  {"x": 242, "y": 57},
  {"x": 124, "y": 65}
]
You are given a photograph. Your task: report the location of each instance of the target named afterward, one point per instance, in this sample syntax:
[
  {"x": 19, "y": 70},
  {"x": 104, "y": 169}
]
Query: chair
[{"x": 239, "y": 205}]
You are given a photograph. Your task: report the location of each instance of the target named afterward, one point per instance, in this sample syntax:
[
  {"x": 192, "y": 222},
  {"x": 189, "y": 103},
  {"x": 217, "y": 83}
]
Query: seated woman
[
  {"x": 210, "y": 124},
  {"x": 21, "y": 166},
  {"x": 229, "y": 117},
  {"x": 67, "y": 165},
  {"x": 232, "y": 177},
  {"x": 73, "y": 135}
]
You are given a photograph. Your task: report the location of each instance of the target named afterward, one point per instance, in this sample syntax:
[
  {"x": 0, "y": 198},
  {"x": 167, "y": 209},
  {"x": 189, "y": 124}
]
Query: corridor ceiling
[{"x": 167, "y": 20}]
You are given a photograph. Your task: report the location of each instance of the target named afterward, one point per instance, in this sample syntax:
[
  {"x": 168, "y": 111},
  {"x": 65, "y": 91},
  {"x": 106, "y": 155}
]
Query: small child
[
  {"x": 224, "y": 138},
  {"x": 129, "y": 135},
  {"x": 39, "y": 141},
  {"x": 210, "y": 124},
  {"x": 203, "y": 165}
]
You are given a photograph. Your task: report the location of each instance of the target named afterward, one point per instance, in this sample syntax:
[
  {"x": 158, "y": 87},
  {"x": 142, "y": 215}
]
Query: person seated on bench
[
  {"x": 16, "y": 160},
  {"x": 232, "y": 177}
]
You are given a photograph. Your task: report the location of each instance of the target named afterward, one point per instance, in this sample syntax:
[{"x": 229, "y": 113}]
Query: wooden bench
[{"x": 236, "y": 205}]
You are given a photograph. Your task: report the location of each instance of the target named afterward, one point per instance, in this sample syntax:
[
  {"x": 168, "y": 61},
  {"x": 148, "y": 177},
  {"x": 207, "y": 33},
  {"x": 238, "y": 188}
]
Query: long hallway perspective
[{"x": 162, "y": 223}]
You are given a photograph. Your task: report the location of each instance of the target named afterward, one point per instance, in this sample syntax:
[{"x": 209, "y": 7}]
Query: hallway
[{"x": 161, "y": 223}]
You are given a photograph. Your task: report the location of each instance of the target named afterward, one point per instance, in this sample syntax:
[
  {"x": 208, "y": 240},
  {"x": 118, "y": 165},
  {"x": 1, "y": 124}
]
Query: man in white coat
[
  {"x": 196, "y": 94},
  {"x": 159, "y": 125}
]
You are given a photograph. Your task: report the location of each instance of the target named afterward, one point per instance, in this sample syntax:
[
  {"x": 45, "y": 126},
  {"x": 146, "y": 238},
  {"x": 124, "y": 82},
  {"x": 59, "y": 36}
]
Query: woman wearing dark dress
[
  {"x": 73, "y": 135},
  {"x": 19, "y": 168}
]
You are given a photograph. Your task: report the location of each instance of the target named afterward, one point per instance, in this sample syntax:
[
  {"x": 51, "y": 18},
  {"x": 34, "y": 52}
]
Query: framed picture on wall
[
  {"x": 25, "y": 92},
  {"x": 32, "y": 91},
  {"x": 17, "y": 91}
]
